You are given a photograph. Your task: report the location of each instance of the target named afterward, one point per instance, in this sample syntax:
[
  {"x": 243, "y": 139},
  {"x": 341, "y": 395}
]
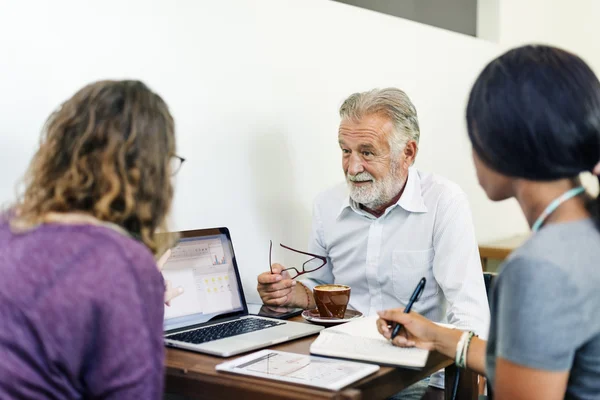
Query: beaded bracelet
[
  {"x": 307, "y": 295},
  {"x": 459, "y": 348},
  {"x": 462, "y": 348},
  {"x": 466, "y": 349}
]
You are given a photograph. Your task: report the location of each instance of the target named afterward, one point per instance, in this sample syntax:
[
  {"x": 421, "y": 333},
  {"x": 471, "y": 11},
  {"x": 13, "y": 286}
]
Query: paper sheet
[{"x": 299, "y": 368}]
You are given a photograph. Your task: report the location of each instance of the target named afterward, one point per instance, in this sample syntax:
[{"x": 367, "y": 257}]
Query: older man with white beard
[{"x": 389, "y": 226}]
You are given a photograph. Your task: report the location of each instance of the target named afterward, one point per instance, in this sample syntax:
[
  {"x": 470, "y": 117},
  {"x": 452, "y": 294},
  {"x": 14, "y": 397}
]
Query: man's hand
[
  {"x": 417, "y": 331},
  {"x": 170, "y": 291},
  {"x": 277, "y": 288}
]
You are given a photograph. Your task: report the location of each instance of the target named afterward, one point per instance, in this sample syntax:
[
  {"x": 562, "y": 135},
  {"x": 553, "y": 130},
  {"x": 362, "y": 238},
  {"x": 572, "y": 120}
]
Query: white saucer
[{"x": 314, "y": 317}]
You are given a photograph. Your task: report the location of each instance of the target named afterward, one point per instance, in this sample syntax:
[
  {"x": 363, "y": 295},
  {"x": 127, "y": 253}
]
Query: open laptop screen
[{"x": 204, "y": 267}]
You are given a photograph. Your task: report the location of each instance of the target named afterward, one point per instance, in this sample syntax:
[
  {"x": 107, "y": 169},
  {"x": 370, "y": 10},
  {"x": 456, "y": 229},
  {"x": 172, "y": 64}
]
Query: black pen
[{"x": 415, "y": 296}]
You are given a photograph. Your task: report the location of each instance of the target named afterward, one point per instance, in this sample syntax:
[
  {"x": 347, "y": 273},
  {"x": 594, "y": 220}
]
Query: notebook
[{"x": 360, "y": 340}]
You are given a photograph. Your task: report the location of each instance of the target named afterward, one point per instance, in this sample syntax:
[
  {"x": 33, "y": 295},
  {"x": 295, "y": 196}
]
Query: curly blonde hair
[{"x": 106, "y": 153}]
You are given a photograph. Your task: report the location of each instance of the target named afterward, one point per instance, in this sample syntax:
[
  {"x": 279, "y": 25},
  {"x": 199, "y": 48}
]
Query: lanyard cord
[{"x": 554, "y": 205}]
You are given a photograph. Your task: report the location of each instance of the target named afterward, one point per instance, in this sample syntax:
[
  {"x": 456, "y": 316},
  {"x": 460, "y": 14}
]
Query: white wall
[
  {"x": 254, "y": 87},
  {"x": 569, "y": 24}
]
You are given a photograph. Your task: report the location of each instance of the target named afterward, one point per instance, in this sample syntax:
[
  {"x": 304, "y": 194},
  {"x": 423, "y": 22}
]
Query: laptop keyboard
[{"x": 225, "y": 330}]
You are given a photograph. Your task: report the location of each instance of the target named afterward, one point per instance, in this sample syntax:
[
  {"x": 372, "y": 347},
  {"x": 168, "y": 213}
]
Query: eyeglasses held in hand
[{"x": 305, "y": 269}]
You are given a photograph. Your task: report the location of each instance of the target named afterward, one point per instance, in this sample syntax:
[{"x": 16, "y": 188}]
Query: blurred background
[{"x": 255, "y": 87}]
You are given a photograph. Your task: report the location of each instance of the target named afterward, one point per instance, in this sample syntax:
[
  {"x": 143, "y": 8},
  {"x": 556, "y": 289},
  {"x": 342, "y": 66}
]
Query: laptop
[{"x": 211, "y": 316}]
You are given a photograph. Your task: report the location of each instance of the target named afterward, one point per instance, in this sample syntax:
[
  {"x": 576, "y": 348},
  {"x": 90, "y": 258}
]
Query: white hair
[
  {"x": 391, "y": 102},
  {"x": 381, "y": 191}
]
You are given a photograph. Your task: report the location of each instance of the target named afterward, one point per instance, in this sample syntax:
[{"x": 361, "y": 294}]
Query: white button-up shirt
[{"x": 427, "y": 233}]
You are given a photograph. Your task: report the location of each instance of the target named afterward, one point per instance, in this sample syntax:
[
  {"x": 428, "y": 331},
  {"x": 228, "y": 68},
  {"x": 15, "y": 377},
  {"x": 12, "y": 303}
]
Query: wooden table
[
  {"x": 193, "y": 375},
  {"x": 500, "y": 249}
]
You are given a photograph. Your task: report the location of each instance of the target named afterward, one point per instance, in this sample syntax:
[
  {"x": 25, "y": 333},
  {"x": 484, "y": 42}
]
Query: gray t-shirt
[{"x": 546, "y": 307}]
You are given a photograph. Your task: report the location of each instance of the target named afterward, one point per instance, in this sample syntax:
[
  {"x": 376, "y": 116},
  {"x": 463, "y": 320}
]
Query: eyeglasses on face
[
  {"x": 176, "y": 163},
  {"x": 305, "y": 269}
]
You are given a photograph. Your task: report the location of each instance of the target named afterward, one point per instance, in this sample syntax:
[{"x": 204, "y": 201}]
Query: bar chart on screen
[{"x": 203, "y": 253}]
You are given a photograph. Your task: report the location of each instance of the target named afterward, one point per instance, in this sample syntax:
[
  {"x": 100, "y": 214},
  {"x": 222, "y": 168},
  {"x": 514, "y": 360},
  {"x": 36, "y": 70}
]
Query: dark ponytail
[
  {"x": 595, "y": 207},
  {"x": 534, "y": 113}
]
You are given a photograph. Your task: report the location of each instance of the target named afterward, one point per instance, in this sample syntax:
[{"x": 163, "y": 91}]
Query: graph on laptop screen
[{"x": 203, "y": 267}]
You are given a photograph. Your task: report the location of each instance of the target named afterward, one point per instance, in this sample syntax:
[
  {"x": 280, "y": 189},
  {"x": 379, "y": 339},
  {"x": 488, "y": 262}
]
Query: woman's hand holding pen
[{"x": 417, "y": 331}]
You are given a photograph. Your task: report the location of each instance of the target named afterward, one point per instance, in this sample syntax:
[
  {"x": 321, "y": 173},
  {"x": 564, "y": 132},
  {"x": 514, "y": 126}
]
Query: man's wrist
[{"x": 303, "y": 297}]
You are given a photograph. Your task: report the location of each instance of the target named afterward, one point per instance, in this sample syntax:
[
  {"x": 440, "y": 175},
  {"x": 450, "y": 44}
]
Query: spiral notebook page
[
  {"x": 364, "y": 327},
  {"x": 360, "y": 340}
]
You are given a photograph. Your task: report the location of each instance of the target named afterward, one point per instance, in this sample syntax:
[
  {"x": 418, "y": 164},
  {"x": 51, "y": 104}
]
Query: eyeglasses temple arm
[
  {"x": 270, "y": 251},
  {"x": 322, "y": 258}
]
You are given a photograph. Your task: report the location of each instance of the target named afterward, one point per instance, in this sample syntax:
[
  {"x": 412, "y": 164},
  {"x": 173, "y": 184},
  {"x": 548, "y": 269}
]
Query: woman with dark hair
[
  {"x": 81, "y": 298},
  {"x": 534, "y": 123}
]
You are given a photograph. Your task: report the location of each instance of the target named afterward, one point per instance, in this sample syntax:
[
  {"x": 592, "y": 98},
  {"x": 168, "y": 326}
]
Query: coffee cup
[{"x": 332, "y": 300}]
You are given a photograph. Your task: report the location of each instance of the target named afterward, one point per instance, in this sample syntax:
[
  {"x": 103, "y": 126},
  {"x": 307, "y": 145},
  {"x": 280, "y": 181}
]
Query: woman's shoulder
[
  {"x": 556, "y": 268},
  {"x": 83, "y": 248},
  {"x": 572, "y": 247},
  {"x": 113, "y": 246}
]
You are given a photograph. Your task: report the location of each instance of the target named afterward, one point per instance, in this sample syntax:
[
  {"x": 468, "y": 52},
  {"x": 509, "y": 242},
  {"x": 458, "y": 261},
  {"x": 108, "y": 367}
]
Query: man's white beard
[{"x": 377, "y": 193}]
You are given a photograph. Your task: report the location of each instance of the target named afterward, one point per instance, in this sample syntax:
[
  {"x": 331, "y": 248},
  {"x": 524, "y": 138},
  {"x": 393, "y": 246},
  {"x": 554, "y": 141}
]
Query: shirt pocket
[{"x": 408, "y": 267}]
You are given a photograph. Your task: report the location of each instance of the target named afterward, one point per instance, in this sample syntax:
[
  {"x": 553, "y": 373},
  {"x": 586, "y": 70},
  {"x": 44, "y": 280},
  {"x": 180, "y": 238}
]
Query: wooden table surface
[
  {"x": 500, "y": 249},
  {"x": 193, "y": 375}
]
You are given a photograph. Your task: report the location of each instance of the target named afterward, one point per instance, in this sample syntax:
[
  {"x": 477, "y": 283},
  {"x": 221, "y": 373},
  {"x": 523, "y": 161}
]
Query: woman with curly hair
[{"x": 81, "y": 297}]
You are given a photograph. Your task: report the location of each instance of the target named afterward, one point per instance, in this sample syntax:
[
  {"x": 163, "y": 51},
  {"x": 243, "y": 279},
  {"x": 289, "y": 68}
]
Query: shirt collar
[{"x": 411, "y": 199}]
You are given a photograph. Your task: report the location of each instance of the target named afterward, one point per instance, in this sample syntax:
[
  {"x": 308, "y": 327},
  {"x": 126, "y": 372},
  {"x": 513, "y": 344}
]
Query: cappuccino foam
[{"x": 332, "y": 288}]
